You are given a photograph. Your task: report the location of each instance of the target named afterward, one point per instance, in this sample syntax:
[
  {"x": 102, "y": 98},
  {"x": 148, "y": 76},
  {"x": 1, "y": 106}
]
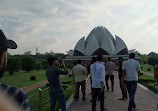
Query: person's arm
[
  {"x": 138, "y": 69},
  {"x": 2, "y": 60},
  {"x": 84, "y": 71},
  {"x": 102, "y": 79},
  {"x": 61, "y": 72}
]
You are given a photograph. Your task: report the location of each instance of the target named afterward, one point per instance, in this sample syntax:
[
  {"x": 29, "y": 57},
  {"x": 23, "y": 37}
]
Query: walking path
[
  {"x": 34, "y": 86},
  {"x": 148, "y": 73},
  {"x": 145, "y": 100}
]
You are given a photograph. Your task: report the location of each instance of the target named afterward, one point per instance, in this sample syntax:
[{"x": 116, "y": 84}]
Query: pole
[{"x": 40, "y": 99}]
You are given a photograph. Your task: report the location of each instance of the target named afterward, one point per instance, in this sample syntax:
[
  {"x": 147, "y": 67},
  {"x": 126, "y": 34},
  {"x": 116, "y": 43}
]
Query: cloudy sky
[{"x": 57, "y": 25}]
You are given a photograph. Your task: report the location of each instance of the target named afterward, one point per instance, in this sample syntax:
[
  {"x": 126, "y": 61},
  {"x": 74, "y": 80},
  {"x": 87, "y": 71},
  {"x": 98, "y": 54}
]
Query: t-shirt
[
  {"x": 132, "y": 67},
  {"x": 52, "y": 74},
  {"x": 110, "y": 67},
  {"x": 97, "y": 71},
  {"x": 79, "y": 71}
]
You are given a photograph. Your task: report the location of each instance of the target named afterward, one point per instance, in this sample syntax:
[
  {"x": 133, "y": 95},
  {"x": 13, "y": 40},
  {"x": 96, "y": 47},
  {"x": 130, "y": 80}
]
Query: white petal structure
[
  {"x": 92, "y": 45},
  {"x": 108, "y": 46},
  {"x": 80, "y": 46},
  {"x": 100, "y": 41},
  {"x": 70, "y": 52},
  {"x": 120, "y": 46}
]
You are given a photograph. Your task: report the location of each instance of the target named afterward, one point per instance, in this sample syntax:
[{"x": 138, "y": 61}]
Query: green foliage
[
  {"x": 44, "y": 64},
  {"x": 28, "y": 63},
  {"x": 145, "y": 68},
  {"x": 148, "y": 81},
  {"x": 13, "y": 65},
  {"x": 38, "y": 66},
  {"x": 153, "y": 60}
]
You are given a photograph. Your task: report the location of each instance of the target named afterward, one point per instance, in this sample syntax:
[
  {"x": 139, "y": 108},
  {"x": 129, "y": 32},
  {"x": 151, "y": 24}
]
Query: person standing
[
  {"x": 56, "y": 91},
  {"x": 131, "y": 70},
  {"x": 97, "y": 71},
  {"x": 121, "y": 81},
  {"x": 109, "y": 67},
  {"x": 79, "y": 73}
]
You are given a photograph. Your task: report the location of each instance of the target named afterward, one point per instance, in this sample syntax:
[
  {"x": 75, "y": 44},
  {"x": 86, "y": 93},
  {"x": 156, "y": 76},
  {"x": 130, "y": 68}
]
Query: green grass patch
[
  {"x": 146, "y": 77},
  {"x": 145, "y": 68},
  {"x": 22, "y": 78},
  {"x": 148, "y": 81}
]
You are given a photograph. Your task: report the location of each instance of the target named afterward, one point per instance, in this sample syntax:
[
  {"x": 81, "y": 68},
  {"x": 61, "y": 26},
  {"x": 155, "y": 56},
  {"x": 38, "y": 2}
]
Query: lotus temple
[{"x": 99, "y": 41}]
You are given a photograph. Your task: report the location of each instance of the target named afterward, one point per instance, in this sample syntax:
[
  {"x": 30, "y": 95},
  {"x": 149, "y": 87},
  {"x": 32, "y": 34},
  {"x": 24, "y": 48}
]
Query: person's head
[
  {"x": 75, "y": 63},
  {"x": 52, "y": 60},
  {"x": 78, "y": 61},
  {"x": 4, "y": 45},
  {"x": 109, "y": 59},
  {"x": 93, "y": 59},
  {"x": 120, "y": 59},
  {"x": 131, "y": 55},
  {"x": 99, "y": 57}
]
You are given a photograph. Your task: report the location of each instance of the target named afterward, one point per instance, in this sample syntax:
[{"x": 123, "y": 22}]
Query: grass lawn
[
  {"x": 146, "y": 77},
  {"x": 148, "y": 81},
  {"x": 22, "y": 78},
  {"x": 145, "y": 68}
]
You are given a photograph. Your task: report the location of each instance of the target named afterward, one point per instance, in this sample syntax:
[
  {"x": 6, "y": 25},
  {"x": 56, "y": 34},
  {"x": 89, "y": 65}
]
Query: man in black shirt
[{"x": 122, "y": 84}]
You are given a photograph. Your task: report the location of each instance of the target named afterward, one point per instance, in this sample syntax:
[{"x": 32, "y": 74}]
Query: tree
[
  {"x": 14, "y": 64},
  {"x": 152, "y": 61},
  {"x": 44, "y": 64},
  {"x": 28, "y": 63},
  {"x": 38, "y": 66},
  {"x": 27, "y": 53}
]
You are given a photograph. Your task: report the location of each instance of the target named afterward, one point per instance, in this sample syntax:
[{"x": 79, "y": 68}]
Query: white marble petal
[
  {"x": 108, "y": 46},
  {"x": 70, "y": 52},
  {"x": 92, "y": 45},
  {"x": 120, "y": 44},
  {"x": 80, "y": 46}
]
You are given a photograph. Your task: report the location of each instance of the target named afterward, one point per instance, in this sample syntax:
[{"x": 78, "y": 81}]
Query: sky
[{"x": 57, "y": 25}]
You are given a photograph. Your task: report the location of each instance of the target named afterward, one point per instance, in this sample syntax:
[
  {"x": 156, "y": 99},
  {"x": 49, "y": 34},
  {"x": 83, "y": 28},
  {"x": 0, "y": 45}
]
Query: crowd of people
[{"x": 100, "y": 71}]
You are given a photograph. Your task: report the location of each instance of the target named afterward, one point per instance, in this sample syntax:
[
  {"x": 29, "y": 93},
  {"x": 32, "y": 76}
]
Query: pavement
[
  {"x": 148, "y": 73},
  {"x": 145, "y": 99}
]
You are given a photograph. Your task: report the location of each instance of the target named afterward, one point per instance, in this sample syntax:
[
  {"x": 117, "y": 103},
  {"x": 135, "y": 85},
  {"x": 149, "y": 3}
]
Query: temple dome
[{"x": 100, "y": 41}]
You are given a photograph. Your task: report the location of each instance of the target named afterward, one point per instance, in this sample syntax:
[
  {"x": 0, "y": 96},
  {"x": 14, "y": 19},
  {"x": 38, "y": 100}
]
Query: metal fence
[{"x": 39, "y": 95}]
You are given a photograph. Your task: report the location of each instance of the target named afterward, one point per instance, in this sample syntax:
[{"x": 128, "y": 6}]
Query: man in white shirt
[
  {"x": 97, "y": 71},
  {"x": 130, "y": 72}
]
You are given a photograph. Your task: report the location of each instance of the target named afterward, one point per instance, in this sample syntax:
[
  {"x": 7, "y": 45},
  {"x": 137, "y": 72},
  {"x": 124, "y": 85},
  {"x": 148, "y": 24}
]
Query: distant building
[{"x": 99, "y": 41}]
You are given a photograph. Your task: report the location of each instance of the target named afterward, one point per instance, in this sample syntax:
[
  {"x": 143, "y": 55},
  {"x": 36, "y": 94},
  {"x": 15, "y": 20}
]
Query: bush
[
  {"x": 13, "y": 65},
  {"x": 32, "y": 78},
  {"x": 28, "y": 63},
  {"x": 149, "y": 69}
]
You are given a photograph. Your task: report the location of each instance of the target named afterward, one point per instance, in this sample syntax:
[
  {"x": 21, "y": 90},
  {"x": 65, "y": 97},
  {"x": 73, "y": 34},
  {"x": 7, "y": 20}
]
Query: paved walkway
[
  {"x": 34, "y": 86},
  {"x": 145, "y": 101},
  {"x": 148, "y": 73}
]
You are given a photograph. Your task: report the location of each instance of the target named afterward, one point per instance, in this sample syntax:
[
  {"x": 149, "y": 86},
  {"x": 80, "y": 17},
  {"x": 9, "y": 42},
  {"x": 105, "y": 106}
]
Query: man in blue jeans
[
  {"x": 130, "y": 72},
  {"x": 56, "y": 90}
]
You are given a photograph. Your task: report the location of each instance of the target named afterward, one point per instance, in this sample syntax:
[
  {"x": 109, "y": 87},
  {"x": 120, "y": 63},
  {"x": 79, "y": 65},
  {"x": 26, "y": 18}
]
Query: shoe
[
  {"x": 134, "y": 106},
  {"x": 76, "y": 99},
  {"x": 122, "y": 99},
  {"x": 84, "y": 99},
  {"x": 105, "y": 109},
  {"x": 107, "y": 90}
]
